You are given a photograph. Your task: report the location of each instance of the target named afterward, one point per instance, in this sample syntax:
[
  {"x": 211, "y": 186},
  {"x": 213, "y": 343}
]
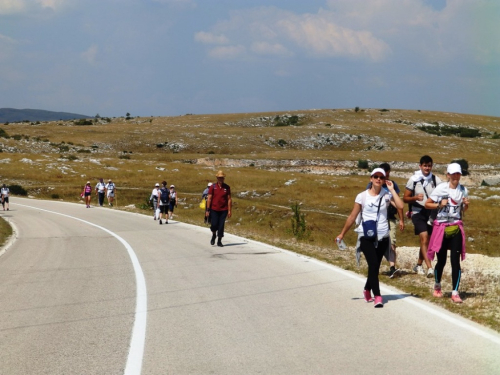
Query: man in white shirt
[{"x": 110, "y": 192}]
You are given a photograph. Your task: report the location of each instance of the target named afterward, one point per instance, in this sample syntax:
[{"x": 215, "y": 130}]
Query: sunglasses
[{"x": 378, "y": 177}]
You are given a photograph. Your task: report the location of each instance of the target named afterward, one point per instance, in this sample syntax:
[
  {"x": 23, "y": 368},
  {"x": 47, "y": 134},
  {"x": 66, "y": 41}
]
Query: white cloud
[
  {"x": 90, "y": 54},
  {"x": 210, "y": 38},
  {"x": 4, "y": 38},
  {"x": 24, "y": 6},
  {"x": 319, "y": 35},
  {"x": 11, "y": 6},
  {"x": 271, "y": 31},
  {"x": 265, "y": 48},
  {"x": 227, "y": 52}
]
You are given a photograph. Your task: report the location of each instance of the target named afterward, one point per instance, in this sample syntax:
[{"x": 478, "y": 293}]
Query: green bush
[
  {"x": 83, "y": 122},
  {"x": 299, "y": 227},
  {"x": 124, "y": 157},
  {"x": 55, "y": 196},
  {"x": 464, "y": 165},
  {"x": 363, "y": 164},
  {"x": 4, "y": 134},
  {"x": 18, "y": 190}
]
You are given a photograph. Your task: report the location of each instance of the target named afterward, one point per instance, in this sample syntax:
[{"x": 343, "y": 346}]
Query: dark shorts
[
  {"x": 171, "y": 206},
  {"x": 5, "y": 199},
  {"x": 88, "y": 194},
  {"x": 163, "y": 209},
  {"x": 420, "y": 222}
]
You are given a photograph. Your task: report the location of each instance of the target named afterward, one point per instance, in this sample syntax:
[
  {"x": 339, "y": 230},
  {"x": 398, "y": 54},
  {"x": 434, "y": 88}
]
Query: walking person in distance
[
  {"x": 219, "y": 205},
  {"x": 372, "y": 204},
  {"x": 154, "y": 199},
  {"x": 163, "y": 199},
  {"x": 172, "y": 203},
  {"x": 100, "y": 191},
  {"x": 5, "y": 192},
  {"x": 204, "y": 195},
  {"x": 110, "y": 192},
  {"x": 87, "y": 193}
]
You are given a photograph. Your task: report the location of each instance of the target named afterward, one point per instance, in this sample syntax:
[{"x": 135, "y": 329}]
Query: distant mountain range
[{"x": 17, "y": 115}]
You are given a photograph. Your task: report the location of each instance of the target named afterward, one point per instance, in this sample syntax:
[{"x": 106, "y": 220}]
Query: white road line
[{"x": 137, "y": 341}]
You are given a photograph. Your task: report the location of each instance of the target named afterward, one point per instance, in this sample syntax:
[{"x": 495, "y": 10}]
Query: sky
[{"x": 174, "y": 57}]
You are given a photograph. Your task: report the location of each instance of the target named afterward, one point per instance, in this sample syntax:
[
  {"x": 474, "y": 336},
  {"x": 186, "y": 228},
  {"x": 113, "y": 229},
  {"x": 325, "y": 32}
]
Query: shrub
[
  {"x": 464, "y": 165},
  {"x": 83, "y": 151},
  {"x": 72, "y": 157},
  {"x": 63, "y": 148},
  {"x": 18, "y": 190},
  {"x": 356, "y": 109},
  {"x": 83, "y": 122},
  {"x": 299, "y": 228},
  {"x": 363, "y": 164},
  {"x": 54, "y": 196},
  {"x": 17, "y": 137},
  {"x": 3, "y": 134},
  {"x": 124, "y": 157},
  {"x": 281, "y": 142}
]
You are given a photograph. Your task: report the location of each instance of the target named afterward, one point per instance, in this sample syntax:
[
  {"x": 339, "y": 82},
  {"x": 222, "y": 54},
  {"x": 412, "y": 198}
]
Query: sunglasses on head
[{"x": 378, "y": 177}]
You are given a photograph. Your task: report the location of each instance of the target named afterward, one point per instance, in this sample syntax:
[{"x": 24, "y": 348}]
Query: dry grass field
[{"x": 272, "y": 161}]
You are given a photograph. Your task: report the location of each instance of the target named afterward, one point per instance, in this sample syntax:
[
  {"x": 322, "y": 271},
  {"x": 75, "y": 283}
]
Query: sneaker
[
  {"x": 437, "y": 292},
  {"x": 456, "y": 298},
  {"x": 378, "y": 302},
  {"x": 419, "y": 270},
  {"x": 394, "y": 272},
  {"x": 430, "y": 273},
  {"x": 368, "y": 296},
  {"x": 161, "y": 222},
  {"x": 166, "y": 222}
]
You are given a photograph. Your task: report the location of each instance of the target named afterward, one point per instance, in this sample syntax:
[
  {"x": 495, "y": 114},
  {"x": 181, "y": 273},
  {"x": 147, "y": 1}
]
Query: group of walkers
[
  {"x": 163, "y": 201},
  {"x": 436, "y": 209},
  {"x": 101, "y": 190}
]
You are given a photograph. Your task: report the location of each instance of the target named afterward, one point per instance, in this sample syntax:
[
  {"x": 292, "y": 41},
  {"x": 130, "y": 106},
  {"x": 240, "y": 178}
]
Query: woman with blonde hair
[{"x": 372, "y": 204}]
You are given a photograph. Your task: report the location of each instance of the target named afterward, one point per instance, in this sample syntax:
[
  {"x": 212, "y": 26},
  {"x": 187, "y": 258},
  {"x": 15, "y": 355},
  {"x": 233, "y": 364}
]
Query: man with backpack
[
  {"x": 110, "y": 192},
  {"x": 163, "y": 200},
  {"x": 418, "y": 190}
]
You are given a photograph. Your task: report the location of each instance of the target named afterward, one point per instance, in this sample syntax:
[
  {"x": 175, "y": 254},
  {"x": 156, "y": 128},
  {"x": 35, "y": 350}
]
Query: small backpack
[
  {"x": 410, "y": 205},
  {"x": 164, "y": 193}
]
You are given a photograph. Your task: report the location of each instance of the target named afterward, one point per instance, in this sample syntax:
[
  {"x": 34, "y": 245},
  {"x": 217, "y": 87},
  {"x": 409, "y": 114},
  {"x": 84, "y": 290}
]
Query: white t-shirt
[
  {"x": 5, "y": 192},
  {"x": 100, "y": 187},
  {"x": 419, "y": 189},
  {"x": 451, "y": 212},
  {"x": 370, "y": 208}
]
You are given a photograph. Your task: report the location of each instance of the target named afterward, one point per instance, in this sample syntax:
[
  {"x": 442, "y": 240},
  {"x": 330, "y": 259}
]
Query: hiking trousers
[{"x": 217, "y": 221}]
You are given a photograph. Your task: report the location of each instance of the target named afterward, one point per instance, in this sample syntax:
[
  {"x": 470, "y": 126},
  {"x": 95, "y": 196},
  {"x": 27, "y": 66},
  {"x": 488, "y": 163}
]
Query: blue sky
[{"x": 172, "y": 57}]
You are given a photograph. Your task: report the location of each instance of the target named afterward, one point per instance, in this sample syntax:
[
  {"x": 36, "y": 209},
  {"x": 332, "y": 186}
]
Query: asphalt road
[{"x": 99, "y": 291}]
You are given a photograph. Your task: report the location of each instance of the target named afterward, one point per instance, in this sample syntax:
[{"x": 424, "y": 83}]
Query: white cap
[
  {"x": 454, "y": 168},
  {"x": 157, "y": 184},
  {"x": 172, "y": 186},
  {"x": 209, "y": 184},
  {"x": 378, "y": 170}
]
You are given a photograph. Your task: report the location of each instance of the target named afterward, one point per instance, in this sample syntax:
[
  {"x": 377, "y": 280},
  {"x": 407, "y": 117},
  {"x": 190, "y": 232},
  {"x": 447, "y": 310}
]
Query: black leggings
[
  {"x": 455, "y": 245},
  {"x": 217, "y": 221},
  {"x": 373, "y": 256}
]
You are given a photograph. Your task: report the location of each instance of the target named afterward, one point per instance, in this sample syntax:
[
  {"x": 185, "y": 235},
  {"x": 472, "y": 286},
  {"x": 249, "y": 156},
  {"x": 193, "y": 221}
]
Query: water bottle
[{"x": 341, "y": 244}]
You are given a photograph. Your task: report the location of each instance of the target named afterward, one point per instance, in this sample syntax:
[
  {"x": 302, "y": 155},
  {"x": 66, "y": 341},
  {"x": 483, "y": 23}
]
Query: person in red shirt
[{"x": 218, "y": 207}]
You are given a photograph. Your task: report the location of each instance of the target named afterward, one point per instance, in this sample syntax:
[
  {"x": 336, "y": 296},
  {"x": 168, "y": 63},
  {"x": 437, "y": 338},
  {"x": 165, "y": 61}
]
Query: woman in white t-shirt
[
  {"x": 451, "y": 200},
  {"x": 373, "y": 204}
]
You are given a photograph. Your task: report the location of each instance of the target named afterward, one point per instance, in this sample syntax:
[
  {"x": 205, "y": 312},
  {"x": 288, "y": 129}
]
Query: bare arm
[
  {"x": 350, "y": 220},
  {"x": 229, "y": 205}
]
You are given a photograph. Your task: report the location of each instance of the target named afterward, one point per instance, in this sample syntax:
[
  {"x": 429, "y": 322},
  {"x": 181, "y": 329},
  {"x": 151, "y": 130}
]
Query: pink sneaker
[
  {"x": 378, "y": 301},
  {"x": 368, "y": 296},
  {"x": 437, "y": 293},
  {"x": 456, "y": 298}
]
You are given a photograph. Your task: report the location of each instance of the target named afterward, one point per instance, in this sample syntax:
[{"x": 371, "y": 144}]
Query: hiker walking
[
  {"x": 5, "y": 192},
  {"x": 172, "y": 203},
  {"x": 204, "y": 195},
  {"x": 418, "y": 189},
  {"x": 110, "y": 192},
  {"x": 396, "y": 221},
  {"x": 219, "y": 204},
  {"x": 100, "y": 191},
  {"x": 154, "y": 199},
  {"x": 87, "y": 193},
  {"x": 163, "y": 199},
  {"x": 374, "y": 242},
  {"x": 450, "y": 199}
]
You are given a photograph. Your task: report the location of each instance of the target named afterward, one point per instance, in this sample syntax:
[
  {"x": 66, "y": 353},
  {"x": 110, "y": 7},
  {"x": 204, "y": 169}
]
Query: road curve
[{"x": 70, "y": 303}]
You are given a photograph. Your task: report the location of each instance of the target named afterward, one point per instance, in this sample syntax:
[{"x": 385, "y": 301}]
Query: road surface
[{"x": 99, "y": 291}]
